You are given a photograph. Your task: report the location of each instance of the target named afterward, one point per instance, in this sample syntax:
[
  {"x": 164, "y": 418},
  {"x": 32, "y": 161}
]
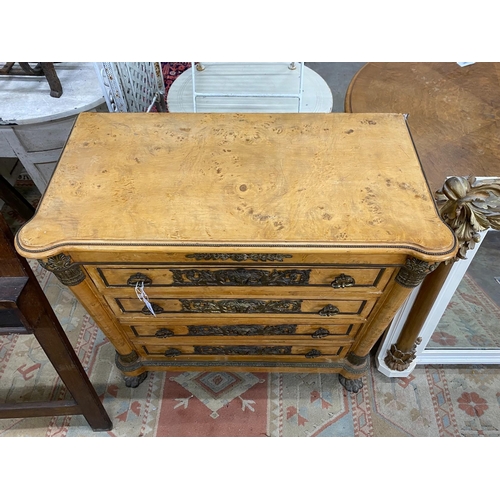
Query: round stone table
[{"x": 34, "y": 126}]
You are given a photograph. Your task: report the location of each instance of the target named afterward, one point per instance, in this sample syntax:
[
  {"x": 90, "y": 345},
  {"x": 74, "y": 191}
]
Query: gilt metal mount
[
  {"x": 399, "y": 360},
  {"x": 237, "y": 306},
  {"x": 225, "y": 330},
  {"x": 239, "y": 277},
  {"x": 240, "y": 257},
  {"x": 250, "y": 350},
  {"x": 414, "y": 272},
  {"x": 65, "y": 270}
]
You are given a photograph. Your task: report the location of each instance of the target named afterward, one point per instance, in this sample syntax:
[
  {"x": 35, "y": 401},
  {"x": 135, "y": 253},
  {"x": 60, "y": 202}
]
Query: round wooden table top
[{"x": 454, "y": 112}]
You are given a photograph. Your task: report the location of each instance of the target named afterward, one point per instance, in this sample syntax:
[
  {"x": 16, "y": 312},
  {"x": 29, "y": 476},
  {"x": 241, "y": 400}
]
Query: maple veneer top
[{"x": 325, "y": 180}]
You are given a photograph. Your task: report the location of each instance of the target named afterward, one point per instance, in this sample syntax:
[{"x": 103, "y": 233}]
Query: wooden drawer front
[
  {"x": 148, "y": 331},
  {"x": 183, "y": 277},
  {"x": 320, "y": 309},
  {"x": 246, "y": 352},
  {"x": 285, "y": 258}
]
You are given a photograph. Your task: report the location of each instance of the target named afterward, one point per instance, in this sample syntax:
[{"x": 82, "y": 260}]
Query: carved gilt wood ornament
[{"x": 469, "y": 206}]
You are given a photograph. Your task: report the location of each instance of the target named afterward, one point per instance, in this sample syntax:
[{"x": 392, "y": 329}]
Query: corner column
[
  {"x": 74, "y": 277},
  {"x": 409, "y": 276}
]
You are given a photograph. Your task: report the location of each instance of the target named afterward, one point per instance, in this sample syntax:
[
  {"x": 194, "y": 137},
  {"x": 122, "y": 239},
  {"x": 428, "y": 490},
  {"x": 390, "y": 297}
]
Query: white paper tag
[
  {"x": 462, "y": 64},
  {"x": 143, "y": 297}
]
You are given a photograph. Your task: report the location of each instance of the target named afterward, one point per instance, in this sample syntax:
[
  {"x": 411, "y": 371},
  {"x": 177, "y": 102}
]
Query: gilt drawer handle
[
  {"x": 170, "y": 353},
  {"x": 329, "y": 310},
  {"x": 343, "y": 281},
  {"x": 139, "y": 278},
  {"x": 156, "y": 308},
  {"x": 320, "y": 333},
  {"x": 313, "y": 353},
  {"x": 164, "y": 332}
]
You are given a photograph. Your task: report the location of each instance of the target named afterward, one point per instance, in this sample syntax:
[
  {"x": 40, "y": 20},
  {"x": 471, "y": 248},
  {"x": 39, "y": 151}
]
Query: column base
[{"x": 399, "y": 360}]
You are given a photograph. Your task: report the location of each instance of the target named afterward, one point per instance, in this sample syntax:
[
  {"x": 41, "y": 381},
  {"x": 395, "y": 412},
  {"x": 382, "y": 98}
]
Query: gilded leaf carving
[{"x": 469, "y": 206}]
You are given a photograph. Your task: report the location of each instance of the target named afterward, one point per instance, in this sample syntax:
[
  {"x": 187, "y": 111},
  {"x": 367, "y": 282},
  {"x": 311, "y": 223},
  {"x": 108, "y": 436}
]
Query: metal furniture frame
[{"x": 197, "y": 67}]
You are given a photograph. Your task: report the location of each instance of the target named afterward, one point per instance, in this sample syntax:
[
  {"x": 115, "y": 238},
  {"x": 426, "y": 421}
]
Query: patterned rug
[
  {"x": 471, "y": 320},
  {"x": 171, "y": 70},
  {"x": 432, "y": 401}
]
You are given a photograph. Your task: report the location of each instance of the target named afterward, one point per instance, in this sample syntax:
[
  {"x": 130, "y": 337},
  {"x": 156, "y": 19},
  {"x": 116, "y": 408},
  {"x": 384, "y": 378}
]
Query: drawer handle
[
  {"x": 329, "y": 310},
  {"x": 156, "y": 308},
  {"x": 313, "y": 353},
  {"x": 139, "y": 278},
  {"x": 164, "y": 332},
  {"x": 320, "y": 333},
  {"x": 343, "y": 281},
  {"x": 170, "y": 353}
]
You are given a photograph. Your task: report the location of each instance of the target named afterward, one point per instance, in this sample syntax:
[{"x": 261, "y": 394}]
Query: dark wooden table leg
[
  {"x": 61, "y": 354},
  {"x": 15, "y": 200},
  {"x": 39, "y": 319}
]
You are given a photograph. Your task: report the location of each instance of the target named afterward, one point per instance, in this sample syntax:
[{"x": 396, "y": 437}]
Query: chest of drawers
[{"x": 249, "y": 242}]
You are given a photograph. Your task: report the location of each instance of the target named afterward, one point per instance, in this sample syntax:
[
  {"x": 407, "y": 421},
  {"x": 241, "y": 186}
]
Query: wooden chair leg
[
  {"x": 15, "y": 200},
  {"x": 49, "y": 71},
  {"x": 61, "y": 354},
  {"x": 39, "y": 319}
]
